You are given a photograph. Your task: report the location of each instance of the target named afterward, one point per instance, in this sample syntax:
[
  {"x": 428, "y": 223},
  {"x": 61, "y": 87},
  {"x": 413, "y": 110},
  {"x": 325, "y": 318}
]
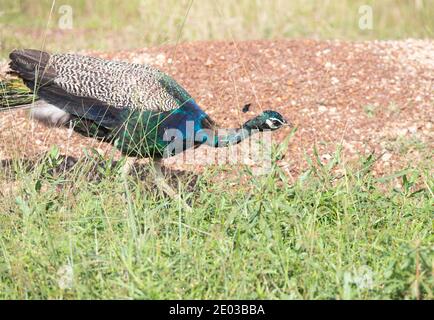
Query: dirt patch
[{"x": 368, "y": 96}]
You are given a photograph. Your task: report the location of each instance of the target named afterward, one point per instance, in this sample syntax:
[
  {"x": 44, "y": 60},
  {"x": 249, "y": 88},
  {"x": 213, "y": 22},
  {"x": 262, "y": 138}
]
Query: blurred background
[{"x": 112, "y": 25}]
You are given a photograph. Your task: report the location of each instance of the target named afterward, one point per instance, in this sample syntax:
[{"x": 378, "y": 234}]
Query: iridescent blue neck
[{"x": 230, "y": 137}]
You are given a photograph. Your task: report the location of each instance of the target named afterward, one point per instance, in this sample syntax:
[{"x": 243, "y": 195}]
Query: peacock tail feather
[
  {"x": 13, "y": 92},
  {"x": 90, "y": 129}
]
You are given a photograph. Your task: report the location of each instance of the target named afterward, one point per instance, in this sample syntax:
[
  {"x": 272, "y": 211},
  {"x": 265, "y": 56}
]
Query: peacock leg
[{"x": 164, "y": 186}]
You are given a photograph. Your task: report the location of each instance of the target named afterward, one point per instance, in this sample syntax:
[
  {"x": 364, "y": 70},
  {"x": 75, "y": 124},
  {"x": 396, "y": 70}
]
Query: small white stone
[
  {"x": 322, "y": 109},
  {"x": 412, "y": 129},
  {"x": 401, "y": 132},
  {"x": 329, "y": 65},
  {"x": 386, "y": 157},
  {"x": 208, "y": 62},
  {"x": 326, "y": 157},
  {"x": 335, "y": 80}
]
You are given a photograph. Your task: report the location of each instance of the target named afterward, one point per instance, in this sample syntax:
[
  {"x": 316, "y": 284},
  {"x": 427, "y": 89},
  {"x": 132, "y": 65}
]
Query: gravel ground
[{"x": 369, "y": 96}]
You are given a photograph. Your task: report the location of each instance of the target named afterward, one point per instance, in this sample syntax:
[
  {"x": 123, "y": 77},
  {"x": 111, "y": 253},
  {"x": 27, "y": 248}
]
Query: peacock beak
[{"x": 287, "y": 124}]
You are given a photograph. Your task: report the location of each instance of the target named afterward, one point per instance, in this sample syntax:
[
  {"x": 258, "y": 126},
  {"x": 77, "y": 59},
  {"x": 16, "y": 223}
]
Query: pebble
[
  {"x": 401, "y": 132},
  {"x": 386, "y": 157},
  {"x": 334, "y": 80},
  {"x": 329, "y": 65},
  {"x": 412, "y": 129},
  {"x": 326, "y": 157},
  {"x": 322, "y": 109}
]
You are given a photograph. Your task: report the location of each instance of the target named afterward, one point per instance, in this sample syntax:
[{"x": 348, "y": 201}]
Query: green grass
[
  {"x": 333, "y": 234},
  {"x": 116, "y": 24}
]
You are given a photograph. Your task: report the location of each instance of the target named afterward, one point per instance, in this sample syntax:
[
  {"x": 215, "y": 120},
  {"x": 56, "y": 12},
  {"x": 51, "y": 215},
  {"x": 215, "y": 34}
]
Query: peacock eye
[{"x": 276, "y": 122}]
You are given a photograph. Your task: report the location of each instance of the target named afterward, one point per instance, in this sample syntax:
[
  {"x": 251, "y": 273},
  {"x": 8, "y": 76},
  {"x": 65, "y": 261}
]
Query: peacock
[{"x": 142, "y": 111}]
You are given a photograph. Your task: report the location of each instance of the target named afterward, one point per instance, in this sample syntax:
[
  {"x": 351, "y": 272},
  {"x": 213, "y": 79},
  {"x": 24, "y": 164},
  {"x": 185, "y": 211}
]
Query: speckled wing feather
[{"x": 117, "y": 84}]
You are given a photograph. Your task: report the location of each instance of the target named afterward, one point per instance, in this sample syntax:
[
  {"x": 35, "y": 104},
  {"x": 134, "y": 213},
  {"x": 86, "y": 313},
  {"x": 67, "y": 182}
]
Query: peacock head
[{"x": 267, "y": 120}]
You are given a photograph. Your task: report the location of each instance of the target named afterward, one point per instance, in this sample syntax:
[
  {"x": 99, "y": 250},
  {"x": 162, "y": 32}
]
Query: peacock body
[{"x": 133, "y": 106}]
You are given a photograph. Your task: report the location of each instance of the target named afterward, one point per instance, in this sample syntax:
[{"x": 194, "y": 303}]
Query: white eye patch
[
  {"x": 274, "y": 123},
  {"x": 277, "y": 120},
  {"x": 270, "y": 124}
]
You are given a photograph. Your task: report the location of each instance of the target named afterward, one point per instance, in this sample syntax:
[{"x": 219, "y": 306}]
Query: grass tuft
[{"x": 336, "y": 233}]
